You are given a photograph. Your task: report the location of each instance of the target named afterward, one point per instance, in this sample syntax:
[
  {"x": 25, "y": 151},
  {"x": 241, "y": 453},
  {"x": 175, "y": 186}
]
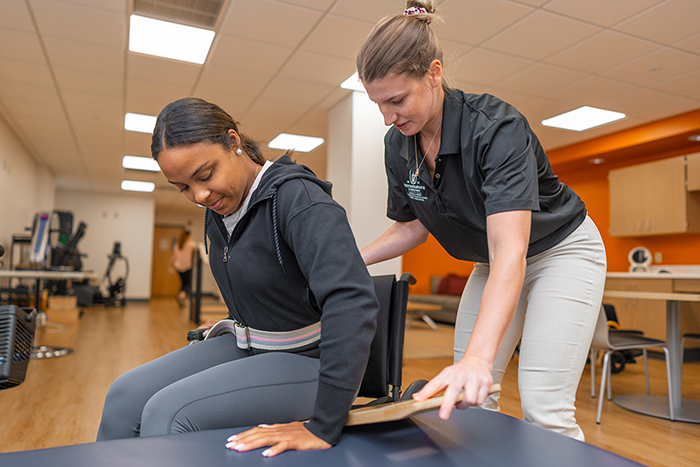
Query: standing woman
[
  {"x": 287, "y": 265},
  {"x": 181, "y": 261},
  {"x": 469, "y": 170}
]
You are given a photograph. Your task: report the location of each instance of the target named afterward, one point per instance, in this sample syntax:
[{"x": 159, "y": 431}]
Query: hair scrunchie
[{"x": 414, "y": 10}]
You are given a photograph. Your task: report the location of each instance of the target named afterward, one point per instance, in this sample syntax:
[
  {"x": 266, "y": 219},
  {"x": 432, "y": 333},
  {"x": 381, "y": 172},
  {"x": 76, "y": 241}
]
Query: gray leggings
[{"x": 209, "y": 385}]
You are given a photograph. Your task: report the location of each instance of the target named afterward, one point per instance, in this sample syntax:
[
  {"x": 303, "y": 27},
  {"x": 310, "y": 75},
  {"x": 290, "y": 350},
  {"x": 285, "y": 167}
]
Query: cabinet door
[{"x": 648, "y": 199}]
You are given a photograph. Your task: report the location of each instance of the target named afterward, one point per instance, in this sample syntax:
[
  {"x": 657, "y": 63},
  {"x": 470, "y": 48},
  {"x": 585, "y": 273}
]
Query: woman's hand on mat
[
  {"x": 470, "y": 375},
  {"x": 280, "y": 438}
]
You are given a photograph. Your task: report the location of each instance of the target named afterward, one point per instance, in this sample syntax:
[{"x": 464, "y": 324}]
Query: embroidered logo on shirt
[{"x": 414, "y": 189}]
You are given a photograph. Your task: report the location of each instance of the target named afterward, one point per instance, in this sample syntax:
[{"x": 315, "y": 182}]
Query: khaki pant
[{"x": 555, "y": 318}]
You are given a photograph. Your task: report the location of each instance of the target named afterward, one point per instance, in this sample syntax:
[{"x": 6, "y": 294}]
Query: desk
[
  {"x": 39, "y": 275},
  {"x": 473, "y": 437},
  {"x": 414, "y": 308},
  {"x": 685, "y": 410}
]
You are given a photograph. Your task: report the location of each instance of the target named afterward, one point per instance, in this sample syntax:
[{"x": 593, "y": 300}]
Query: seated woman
[{"x": 287, "y": 266}]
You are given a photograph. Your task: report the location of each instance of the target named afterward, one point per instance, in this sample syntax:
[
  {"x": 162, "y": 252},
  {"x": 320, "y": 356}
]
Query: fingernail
[
  {"x": 231, "y": 438},
  {"x": 238, "y": 446},
  {"x": 230, "y": 445},
  {"x": 266, "y": 452},
  {"x": 262, "y": 425}
]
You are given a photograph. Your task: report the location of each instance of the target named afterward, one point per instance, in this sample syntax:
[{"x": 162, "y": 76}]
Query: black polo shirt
[{"x": 489, "y": 161}]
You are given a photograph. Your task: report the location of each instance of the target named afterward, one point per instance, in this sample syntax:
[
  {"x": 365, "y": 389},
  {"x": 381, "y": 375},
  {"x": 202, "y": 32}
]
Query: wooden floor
[{"x": 60, "y": 401}]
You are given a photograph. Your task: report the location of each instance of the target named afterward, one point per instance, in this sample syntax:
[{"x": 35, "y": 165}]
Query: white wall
[
  {"x": 356, "y": 167},
  {"x": 25, "y": 189},
  {"x": 127, "y": 218}
]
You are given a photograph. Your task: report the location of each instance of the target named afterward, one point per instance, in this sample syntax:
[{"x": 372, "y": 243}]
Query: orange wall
[{"x": 591, "y": 184}]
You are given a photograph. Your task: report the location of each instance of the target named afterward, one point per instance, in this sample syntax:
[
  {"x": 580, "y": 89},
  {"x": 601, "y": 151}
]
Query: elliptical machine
[{"x": 116, "y": 289}]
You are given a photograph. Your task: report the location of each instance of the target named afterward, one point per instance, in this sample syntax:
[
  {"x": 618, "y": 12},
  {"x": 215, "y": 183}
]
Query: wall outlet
[{"x": 658, "y": 257}]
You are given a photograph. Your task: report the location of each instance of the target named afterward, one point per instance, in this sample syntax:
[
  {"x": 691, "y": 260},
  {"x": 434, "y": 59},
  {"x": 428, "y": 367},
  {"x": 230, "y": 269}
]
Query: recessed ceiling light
[
  {"x": 139, "y": 122},
  {"x": 140, "y": 163},
  {"x": 299, "y": 143},
  {"x": 135, "y": 185},
  {"x": 353, "y": 83},
  {"x": 583, "y": 118},
  {"x": 169, "y": 40},
  {"x": 694, "y": 138},
  {"x": 596, "y": 160}
]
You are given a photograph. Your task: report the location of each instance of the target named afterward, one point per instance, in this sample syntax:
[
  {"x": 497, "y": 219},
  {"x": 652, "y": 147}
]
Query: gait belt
[{"x": 247, "y": 337}]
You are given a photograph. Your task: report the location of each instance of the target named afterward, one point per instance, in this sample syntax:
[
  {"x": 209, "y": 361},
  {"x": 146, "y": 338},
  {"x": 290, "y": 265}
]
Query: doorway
[{"x": 165, "y": 281}]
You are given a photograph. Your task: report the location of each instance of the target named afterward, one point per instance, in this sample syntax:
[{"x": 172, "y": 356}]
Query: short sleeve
[
  {"x": 509, "y": 167},
  {"x": 397, "y": 207}
]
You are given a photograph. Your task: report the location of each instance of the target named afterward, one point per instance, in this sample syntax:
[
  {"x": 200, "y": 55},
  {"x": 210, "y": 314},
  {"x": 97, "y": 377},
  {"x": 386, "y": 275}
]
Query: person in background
[
  {"x": 469, "y": 170},
  {"x": 287, "y": 266},
  {"x": 181, "y": 261}
]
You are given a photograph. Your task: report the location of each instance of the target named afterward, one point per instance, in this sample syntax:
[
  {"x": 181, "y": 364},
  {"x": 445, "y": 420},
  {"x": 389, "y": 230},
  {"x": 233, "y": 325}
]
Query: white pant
[{"x": 555, "y": 317}]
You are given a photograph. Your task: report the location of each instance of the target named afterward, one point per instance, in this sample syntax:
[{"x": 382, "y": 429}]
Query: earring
[{"x": 238, "y": 151}]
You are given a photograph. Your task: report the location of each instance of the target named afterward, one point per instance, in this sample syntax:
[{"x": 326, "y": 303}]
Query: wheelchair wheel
[
  {"x": 617, "y": 362},
  {"x": 413, "y": 388}
]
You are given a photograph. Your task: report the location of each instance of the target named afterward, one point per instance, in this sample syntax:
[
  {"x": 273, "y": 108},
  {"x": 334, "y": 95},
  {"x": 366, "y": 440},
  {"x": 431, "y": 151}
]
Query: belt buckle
[{"x": 242, "y": 335}]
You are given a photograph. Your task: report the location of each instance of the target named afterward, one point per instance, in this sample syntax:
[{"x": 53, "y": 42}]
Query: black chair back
[{"x": 383, "y": 375}]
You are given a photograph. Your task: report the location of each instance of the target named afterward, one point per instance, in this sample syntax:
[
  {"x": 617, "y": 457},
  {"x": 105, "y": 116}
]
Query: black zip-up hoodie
[{"x": 292, "y": 260}]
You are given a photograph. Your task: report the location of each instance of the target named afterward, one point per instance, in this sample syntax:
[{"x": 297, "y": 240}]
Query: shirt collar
[{"x": 451, "y": 125}]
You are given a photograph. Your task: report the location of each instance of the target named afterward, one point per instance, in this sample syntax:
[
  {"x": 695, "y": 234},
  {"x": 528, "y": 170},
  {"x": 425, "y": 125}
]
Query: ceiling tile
[
  {"x": 86, "y": 82},
  {"x": 20, "y": 45},
  {"x": 668, "y": 22},
  {"x": 668, "y": 109},
  {"x": 326, "y": 70},
  {"x": 540, "y": 79},
  {"x": 641, "y": 100},
  {"x": 541, "y": 35},
  {"x": 68, "y": 20},
  {"x": 142, "y": 97},
  {"x": 232, "y": 81},
  {"x": 483, "y": 66},
  {"x": 337, "y": 36},
  {"x": 687, "y": 85},
  {"x": 591, "y": 91},
  {"x": 320, "y": 5},
  {"x": 301, "y": 92},
  {"x": 14, "y": 15},
  {"x": 235, "y": 53},
  {"x": 655, "y": 67},
  {"x": 161, "y": 70},
  {"x": 17, "y": 71},
  {"x": 283, "y": 24},
  {"x": 692, "y": 44},
  {"x": 601, "y": 12},
  {"x": 84, "y": 56},
  {"x": 602, "y": 51},
  {"x": 369, "y": 11},
  {"x": 474, "y": 21}
]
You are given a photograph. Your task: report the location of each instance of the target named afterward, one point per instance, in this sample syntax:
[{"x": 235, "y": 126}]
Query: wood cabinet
[{"x": 656, "y": 198}]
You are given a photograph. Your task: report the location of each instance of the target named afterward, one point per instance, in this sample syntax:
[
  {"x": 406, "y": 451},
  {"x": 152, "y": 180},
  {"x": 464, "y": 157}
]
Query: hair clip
[{"x": 414, "y": 10}]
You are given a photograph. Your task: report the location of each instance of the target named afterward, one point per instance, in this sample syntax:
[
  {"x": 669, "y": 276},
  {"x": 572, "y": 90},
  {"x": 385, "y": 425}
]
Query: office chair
[{"x": 610, "y": 342}]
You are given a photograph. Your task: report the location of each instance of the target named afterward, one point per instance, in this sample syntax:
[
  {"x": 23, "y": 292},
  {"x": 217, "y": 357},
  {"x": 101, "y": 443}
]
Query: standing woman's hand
[{"x": 470, "y": 375}]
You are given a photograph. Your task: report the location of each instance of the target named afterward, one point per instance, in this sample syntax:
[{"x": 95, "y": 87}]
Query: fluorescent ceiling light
[
  {"x": 583, "y": 118},
  {"x": 353, "y": 83},
  {"x": 295, "y": 142},
  {"x": 140, "y": 163},
  {"x": 139, "y": 122},
  {"x": 134, "y": 185},
  {"x": 169, "y": 40}
]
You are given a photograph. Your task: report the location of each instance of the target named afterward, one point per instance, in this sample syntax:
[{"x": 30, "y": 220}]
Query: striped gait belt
[{"x": 247, "y": 337}]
